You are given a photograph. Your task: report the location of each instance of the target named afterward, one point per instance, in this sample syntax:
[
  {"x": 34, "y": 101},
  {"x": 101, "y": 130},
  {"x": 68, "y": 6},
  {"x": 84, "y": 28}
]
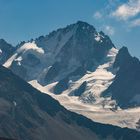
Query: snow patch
[
  {"x": 0, "y": 51},
  {"x": 29, "y": 46},
  {"x": 8, "y": 63},
  {"x": 97, "y": 38},
  {"x": 14, "y": 102}
]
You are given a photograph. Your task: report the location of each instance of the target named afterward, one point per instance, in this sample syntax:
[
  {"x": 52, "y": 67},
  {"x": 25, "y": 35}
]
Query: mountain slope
[
  {"x": 6, "y": 51},
  {"x": 66, "y": 56},
  {"x": 28, "y": 114},
  {"x": 126, "y": 86},
  {"x": 53, "y": 57},
  {"x": 84, "y": 71}
]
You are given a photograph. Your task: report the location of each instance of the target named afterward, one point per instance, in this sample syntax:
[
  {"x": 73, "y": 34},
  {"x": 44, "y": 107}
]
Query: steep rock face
[
  {"x": 28, "y": 114},
  {"x": 80, "y": 90},
  {"x": 126, "y": 86},
  {"x": 53, "y": 57},
  {"x": 6, "y": 51},
  {"x": 122, "y": 58}
]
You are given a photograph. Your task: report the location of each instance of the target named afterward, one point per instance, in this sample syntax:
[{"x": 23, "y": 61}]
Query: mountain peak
[
  {"x": 85, "y": 26},
  {"x": 6, "y": 50},
  {"x": 67, "y": 49},
  {"x": 2, "y": 41},
  {"x": 122, "y": 58},
  {"x": 124, "y": 50},
  {"x": 83, "y": 23}
]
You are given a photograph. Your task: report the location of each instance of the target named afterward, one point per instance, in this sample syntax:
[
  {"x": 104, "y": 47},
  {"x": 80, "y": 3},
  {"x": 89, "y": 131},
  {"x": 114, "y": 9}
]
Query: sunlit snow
[{"x": 97, "y": 81}]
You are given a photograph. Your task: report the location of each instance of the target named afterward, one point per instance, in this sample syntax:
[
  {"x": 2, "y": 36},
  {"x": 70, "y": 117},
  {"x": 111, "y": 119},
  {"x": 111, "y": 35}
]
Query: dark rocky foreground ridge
[
  {"x": 27, "y": 114},
  {"x": 5, "y": 139}
]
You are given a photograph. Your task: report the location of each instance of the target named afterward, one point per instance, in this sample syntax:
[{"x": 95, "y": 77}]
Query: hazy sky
[{"x": 25, "y": 19}]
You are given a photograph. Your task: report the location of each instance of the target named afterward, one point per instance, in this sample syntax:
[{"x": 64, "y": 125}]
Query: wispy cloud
[
  {"x": 97, "y": 15},
  {"x": 113, "y": 3},
  {"x": 135, "y": 23},
  {"x": 127, "y": 10},
  {"x": 109, "y": 30}
]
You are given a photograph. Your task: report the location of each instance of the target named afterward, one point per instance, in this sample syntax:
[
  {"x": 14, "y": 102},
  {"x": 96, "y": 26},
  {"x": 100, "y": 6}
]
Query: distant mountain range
[{"x": 79, "y": 67}]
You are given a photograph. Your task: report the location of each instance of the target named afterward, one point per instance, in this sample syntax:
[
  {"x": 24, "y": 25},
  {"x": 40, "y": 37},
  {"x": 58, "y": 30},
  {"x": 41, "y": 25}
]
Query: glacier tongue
[
  {"x": 122, "y": 118},
  {"x": 97, "y": 82}
]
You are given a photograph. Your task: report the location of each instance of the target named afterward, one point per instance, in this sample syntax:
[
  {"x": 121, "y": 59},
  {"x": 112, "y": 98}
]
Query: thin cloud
[
  {"x": 97, "y": 15},
  {"x": 127, "y": 10},
  {"x": 109, "y": 30},
  {"x": 135, "y": 23}
]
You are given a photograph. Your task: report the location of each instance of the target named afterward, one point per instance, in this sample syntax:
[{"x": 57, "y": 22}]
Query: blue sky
[{"x": 25, "y": 19}]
